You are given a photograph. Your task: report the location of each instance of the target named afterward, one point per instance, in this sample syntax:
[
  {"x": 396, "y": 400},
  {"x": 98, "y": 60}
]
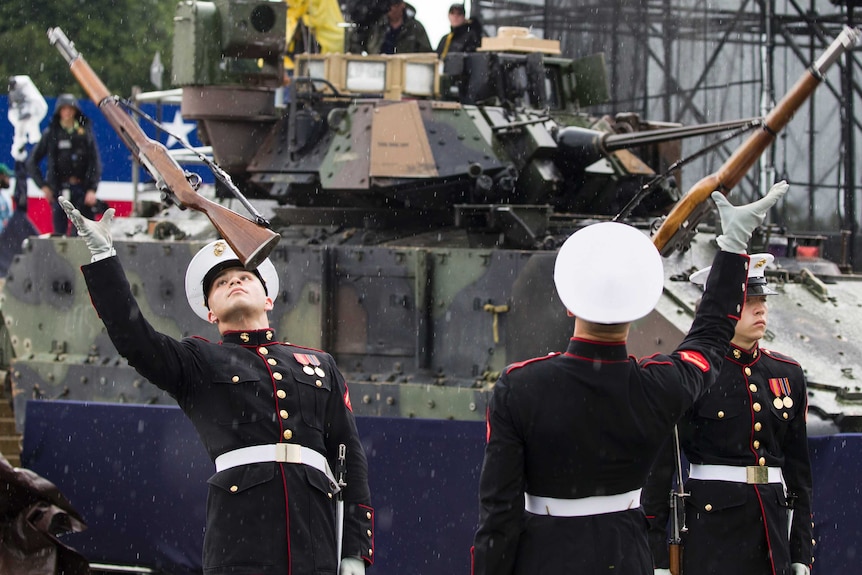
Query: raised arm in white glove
[
  {"x": 800, "y": 569},
  {"x": 97, "y": 235},
  {"x": 353, "y": 566},
  {"x": 739, "y": 222},
  {"x": 662, "y": 572}
]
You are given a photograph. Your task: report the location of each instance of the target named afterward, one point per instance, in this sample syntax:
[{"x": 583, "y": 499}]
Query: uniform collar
[
  {"x": 597, "y": 350},
  {"x": 250, "y": 338},
  {"x": 744, "y": 356}
]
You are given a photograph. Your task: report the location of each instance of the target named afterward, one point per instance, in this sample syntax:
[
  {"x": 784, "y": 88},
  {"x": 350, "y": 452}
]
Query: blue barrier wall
[{"x": 138, "y": 476}]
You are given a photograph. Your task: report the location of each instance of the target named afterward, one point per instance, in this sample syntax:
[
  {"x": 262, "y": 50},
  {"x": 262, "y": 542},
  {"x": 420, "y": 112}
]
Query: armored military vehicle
[{"x": 419, "y": 205}]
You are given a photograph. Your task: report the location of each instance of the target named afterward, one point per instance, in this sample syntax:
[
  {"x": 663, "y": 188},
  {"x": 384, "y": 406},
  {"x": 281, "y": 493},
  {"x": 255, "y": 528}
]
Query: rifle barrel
[
  {"x": 681, "y": 223},
  {"x": 252, "y": 243}
]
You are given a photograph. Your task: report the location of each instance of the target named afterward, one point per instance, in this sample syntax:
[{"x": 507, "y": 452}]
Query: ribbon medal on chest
[
  {"x": 780, "y": 387},
  {"x": 310, "y": 364}
]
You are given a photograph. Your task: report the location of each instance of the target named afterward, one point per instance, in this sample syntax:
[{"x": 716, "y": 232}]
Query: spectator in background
[
  {"x": 73, "y": 163},
  {"x": 465, "y": 36},
  {"x": 396, "y": 32},
  {"x": 5, "y": 201}
]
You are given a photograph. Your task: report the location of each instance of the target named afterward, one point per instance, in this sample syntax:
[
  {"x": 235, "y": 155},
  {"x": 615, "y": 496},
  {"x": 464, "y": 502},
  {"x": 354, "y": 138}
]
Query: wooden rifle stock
[
  {"x": 251, "y": 242},
  {"x": 675, "y": 553},
  {"x": 680, "y": 223}
]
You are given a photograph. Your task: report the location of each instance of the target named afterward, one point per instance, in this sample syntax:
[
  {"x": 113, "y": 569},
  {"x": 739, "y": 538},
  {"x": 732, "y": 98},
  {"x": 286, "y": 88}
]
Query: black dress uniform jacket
[
  {"x": 249, "y": 389},
  {"x": 745, "y": 419},
  {"x": 589, "y": 422}
]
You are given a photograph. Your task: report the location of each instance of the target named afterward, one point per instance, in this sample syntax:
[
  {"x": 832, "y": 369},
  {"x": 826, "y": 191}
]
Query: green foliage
[{"x": 118, "y": 38}]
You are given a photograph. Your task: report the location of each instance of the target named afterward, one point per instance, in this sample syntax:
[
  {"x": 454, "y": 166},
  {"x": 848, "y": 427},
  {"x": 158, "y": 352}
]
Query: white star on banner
[{"x": 178, "y": 129}]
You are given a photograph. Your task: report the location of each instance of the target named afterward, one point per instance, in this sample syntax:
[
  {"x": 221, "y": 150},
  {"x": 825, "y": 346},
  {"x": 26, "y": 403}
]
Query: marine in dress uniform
[
  {"x": 271, "y": 415},
  {"x": 747, "y": 445},
  {"x": 571, "y": 436}
]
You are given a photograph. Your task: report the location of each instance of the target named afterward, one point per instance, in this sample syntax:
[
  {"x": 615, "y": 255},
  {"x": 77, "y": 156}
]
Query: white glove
[
  {"x": 353, "y": 566},
  {"x": 800, "y": 569},
  {"x": 738, "y": 222},
  {"x": 97, "y": 235},
  {"x": 662, "y": 572}
]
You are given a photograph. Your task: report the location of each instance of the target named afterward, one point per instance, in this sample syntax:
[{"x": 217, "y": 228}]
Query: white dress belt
[
  {"x": 279, "y": 453},
  {"x": 752, "y": 474},
  {"x": 595, "y": 505}
]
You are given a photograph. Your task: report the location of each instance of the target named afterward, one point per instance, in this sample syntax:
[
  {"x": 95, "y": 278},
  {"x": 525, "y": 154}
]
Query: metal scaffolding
[{"x": 695, "y": 61}]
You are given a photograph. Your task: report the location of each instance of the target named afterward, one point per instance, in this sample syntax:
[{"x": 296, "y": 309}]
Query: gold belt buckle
[
  {"x": 754, "y": 474},
  {"x": 281, "y": 452}
]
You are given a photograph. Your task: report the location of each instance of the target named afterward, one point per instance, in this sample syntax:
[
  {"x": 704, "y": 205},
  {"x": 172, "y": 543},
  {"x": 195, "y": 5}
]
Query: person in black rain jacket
[{"x": 73, "y": 166}]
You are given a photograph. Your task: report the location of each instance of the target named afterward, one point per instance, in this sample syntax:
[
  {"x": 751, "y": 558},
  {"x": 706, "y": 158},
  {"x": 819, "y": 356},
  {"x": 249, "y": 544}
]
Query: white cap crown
[
  {"x": 609, "y": 273},
  {"x": 214, "y": 254}
]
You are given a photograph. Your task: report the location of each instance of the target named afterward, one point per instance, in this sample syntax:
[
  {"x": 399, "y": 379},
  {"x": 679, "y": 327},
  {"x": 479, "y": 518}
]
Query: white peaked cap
[
  {"x": 757, "y": 265},
  {"x": 215, "y": 254},
  {"x": 609, "y": 273}
]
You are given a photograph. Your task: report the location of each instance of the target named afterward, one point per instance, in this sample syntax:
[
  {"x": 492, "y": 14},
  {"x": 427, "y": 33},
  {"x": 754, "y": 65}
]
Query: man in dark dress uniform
[
  {"x": 273, "y": 416},
  {"x": 747, "y": 445},
  {"x": 571, "y": 436}
]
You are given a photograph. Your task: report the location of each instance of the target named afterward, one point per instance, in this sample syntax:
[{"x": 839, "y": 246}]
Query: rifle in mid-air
[
  {"x": 251, "y": 241},
  {"x": 679, "y": 226}
]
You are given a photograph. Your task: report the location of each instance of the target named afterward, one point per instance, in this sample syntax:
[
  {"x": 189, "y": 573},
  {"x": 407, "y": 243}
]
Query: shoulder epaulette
[
  {"x": 521, "y": 364},
  {"x": 779, "y": 356},
  {"x": 302, "y": 347}
]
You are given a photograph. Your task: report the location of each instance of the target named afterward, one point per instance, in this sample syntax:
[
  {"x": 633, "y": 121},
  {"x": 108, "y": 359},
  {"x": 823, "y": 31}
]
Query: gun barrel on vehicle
[{"x": 587, "y": 146}]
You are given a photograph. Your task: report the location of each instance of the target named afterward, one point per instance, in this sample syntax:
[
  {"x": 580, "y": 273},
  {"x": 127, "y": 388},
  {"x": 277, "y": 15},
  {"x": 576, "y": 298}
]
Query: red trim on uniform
[
  {"x": 765, "y": 529},
  {"x": 472, "y": 559},
  {"x": 646, "y": 360},
  {"x": 695, "y": 358},
  {"x": 487, "y": 425},
  {"x": 594, "y": 360},
  {"x": 286, "y": 519},
  {"x": 646, "y": 363},
  {"x": 302, "y": 347},
  {"x": 369, "y": 558},
  {"x": 595, "y": 342},
  {"x": 521, "y": 364},
  {"x": 779, "y": 357},
  {"x": 753, "y": 417},
  {"x": 274, "y": 394},
  {"x": 347, "y": 398}
]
